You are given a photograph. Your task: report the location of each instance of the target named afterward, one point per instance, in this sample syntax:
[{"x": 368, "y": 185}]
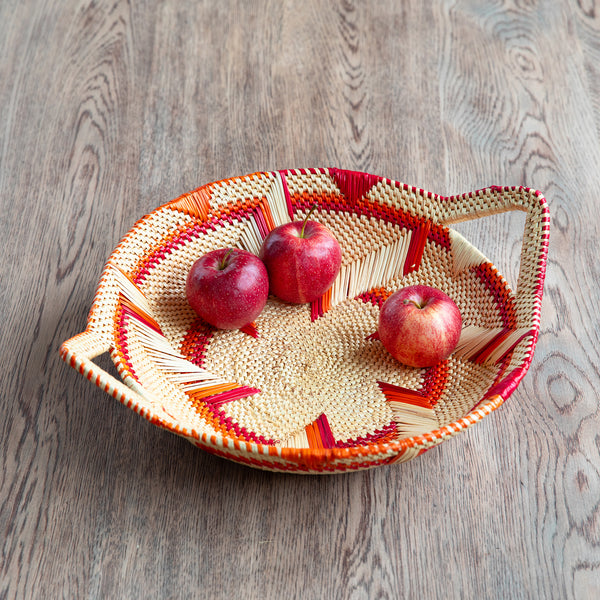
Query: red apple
[
  {"x": 228, "y": 287},
  {"x": 419, "y": 325},
  {"x": 303, "y": 259}
]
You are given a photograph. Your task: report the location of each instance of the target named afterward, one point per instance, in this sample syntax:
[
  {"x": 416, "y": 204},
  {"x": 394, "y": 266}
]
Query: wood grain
[{"x": 112, "y": 108}]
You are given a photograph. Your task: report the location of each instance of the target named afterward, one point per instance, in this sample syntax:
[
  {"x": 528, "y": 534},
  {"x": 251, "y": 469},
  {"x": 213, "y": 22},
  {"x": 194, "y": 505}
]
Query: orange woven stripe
[
  {"x": 314, "y": 439},
  {"x": 326, "y": 300},
  {"x": 266, "y": 210},
  {"x": 435, "y": 382},
  {"x": 212, "y": 390},
  {"x": 328, "y": 201},
  {"x": 139, "y": 312},
  {"x": 320, "y": 306},
  {"x": 196, "y": 203},
  {"x": 156, "y": 250}
]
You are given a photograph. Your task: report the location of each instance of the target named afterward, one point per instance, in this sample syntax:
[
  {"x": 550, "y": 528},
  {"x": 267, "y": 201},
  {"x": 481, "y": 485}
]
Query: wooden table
[{"x": 109, "y": 109}]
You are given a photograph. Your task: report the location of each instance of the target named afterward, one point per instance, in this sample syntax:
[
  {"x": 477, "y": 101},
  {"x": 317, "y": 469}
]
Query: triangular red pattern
[{"x": 354, "y": 185}]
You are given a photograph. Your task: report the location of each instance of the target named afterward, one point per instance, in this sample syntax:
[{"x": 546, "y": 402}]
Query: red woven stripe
[
  {"x": 320, "y": 306},
  {"x": 395, "y": 393},
  {"x": 261, "y": 223},
  {"x": 250, "y": 329},
  {"x": 286, "y": 193},
  {"x": 230, "y": 395},
  {"x": 379, "y": 436},
  {"x": 416, "y": 247},
  {"x": 219, "y": 393},
  {"x": 327, "y": 439},
  {"x": 505, "y": 303},
  {"x": 196, "y": 340},
  {"x": 434, "y": 381},
  {"x": 132, "y": 310},
  {"x": 482, "y": 356},
  {"x": 266, "y": 212}
]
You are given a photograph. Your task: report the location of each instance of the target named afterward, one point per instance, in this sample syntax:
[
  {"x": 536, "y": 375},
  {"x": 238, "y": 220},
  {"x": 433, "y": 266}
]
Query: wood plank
[{"x": 112, "y": 108}]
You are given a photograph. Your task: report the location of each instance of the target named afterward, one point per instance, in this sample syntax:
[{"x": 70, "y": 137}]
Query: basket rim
[{"x": 232, "y": 448}]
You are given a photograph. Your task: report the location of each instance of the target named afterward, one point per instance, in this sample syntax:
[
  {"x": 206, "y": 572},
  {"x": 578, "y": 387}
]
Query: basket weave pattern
[{"x": 309, "y": 388}]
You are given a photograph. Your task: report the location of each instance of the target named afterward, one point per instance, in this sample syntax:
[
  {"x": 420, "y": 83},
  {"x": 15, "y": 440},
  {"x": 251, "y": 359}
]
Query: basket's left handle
[{"x": 79, "y": 351}]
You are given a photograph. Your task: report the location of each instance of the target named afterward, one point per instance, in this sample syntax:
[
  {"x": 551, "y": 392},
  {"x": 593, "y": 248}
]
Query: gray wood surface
[{"x": 108, "y": 109}]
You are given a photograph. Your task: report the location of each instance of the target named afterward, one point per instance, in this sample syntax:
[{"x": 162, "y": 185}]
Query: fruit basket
[{"x": 310, "y": 388}]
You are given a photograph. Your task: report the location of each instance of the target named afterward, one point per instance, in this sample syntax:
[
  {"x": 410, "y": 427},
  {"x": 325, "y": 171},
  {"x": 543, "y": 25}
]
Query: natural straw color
[{"x": 310, "y": 388}]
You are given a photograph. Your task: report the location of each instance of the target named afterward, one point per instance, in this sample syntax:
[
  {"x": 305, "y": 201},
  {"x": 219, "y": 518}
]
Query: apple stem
[
  {"x": 310, "y": 212},
  {"x": 417, "y": 304},
  {"x": 224, "y": 261}
]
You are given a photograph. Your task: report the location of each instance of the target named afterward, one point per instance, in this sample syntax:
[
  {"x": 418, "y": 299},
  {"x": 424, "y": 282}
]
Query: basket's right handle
[
  {"x": 534, "y": 250},
  {"x": 534, "y": 253}
]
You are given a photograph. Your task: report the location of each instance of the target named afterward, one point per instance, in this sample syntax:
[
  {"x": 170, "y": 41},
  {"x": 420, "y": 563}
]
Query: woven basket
[{"x": 310, "y": 388}]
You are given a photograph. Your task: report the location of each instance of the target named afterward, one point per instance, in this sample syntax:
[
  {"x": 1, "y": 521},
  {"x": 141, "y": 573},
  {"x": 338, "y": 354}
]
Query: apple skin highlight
[
  {"x": 419, "y": 326},
  {"x": 228, "y": 288}
]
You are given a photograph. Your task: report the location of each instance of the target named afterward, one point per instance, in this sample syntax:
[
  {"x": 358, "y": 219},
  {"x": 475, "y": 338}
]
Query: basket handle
[
  {"x": 79, "y": 351},
  {"x": 534, "y": 249}
]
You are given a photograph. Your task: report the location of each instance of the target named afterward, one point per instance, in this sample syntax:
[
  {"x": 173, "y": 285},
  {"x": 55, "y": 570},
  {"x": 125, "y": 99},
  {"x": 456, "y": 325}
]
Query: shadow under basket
[{"x": 309, "y": 388}]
